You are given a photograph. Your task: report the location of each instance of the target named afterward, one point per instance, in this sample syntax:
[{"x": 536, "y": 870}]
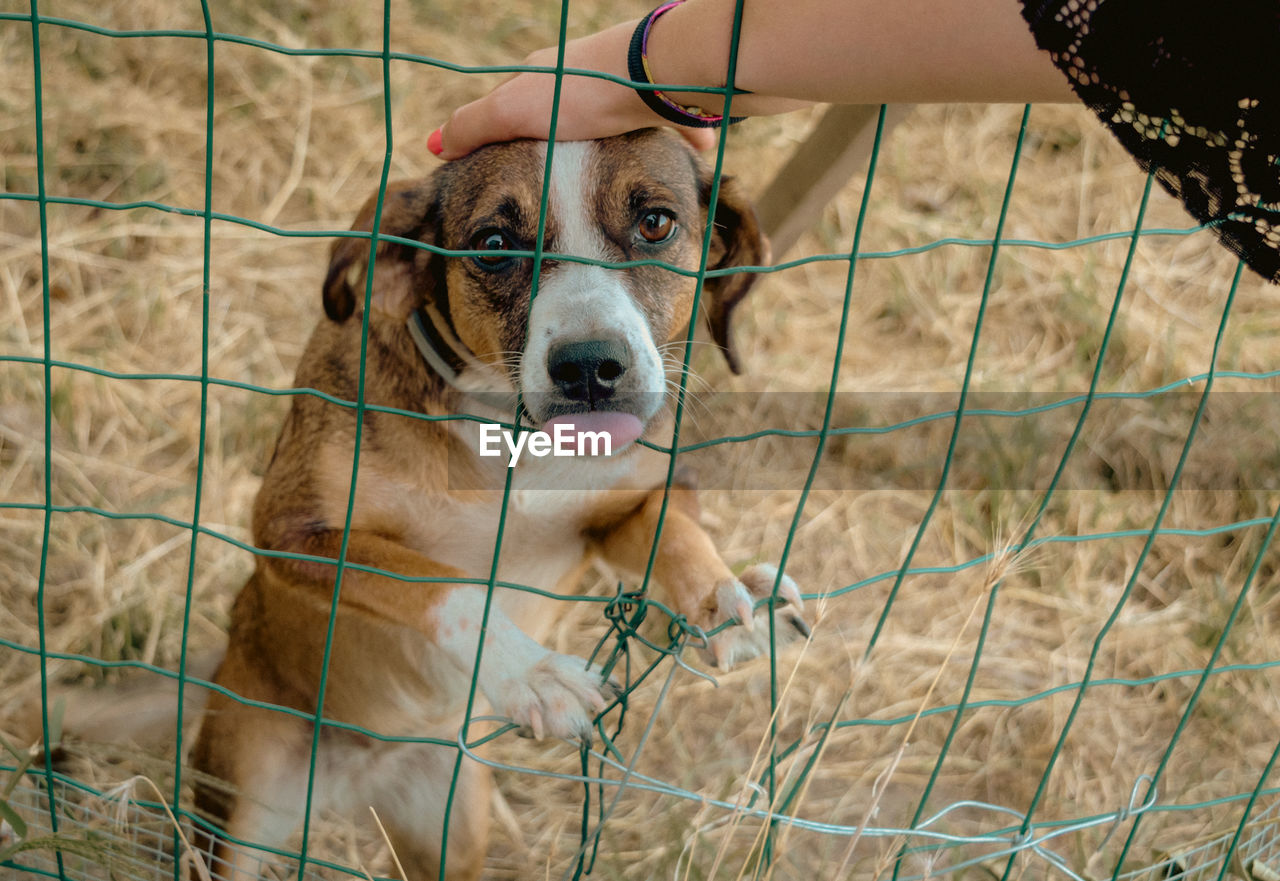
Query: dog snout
[{"x": 588, "y": 370}]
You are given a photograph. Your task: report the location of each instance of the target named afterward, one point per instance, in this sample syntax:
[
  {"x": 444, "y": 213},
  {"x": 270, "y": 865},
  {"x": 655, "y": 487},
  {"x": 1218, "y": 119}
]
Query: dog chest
[{"x": 541, "y": 534}]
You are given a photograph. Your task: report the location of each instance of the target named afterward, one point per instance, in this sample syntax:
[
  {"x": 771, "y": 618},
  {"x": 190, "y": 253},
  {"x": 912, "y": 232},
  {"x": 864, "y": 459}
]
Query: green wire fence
[{"x": 56, "y": 825}]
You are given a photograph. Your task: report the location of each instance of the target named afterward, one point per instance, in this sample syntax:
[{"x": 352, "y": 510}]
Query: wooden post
[{"x": 837, "y": 149}]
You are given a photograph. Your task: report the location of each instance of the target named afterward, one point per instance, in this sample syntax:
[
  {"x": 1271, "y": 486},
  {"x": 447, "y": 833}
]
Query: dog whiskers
[
  {"x": 508, "y": 359},
  {"x": 694, "y": 406},
  {"x": 675, "y": 368}
]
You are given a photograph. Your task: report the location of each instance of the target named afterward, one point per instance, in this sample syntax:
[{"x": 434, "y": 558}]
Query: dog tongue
[{"x": 622, "y": 428}]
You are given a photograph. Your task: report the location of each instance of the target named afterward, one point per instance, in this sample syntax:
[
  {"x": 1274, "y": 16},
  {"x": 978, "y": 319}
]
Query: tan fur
[{"x": 425, "y": 505}]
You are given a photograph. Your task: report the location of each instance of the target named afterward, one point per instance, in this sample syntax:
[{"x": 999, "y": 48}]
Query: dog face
[{"x": 581, "y": 339}]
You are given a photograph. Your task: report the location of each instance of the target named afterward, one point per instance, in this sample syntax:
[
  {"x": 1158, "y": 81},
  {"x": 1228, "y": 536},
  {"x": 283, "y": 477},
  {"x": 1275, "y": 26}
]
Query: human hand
[{"x": 590, "y": 107}]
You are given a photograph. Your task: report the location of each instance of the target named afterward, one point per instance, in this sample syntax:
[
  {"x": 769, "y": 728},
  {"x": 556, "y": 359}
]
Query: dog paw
[
  {"x": 736, "y": 600},
  {"x": 558, "y": 696}
]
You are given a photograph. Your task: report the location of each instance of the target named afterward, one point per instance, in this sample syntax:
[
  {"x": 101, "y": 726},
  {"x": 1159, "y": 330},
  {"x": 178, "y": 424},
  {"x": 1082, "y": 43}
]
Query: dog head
[{"x": 586, "y": 338}]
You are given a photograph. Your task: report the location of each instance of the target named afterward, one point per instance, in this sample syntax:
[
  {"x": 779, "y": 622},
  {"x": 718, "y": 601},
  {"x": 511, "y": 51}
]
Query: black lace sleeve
[{"x": 1192, "y": 90}]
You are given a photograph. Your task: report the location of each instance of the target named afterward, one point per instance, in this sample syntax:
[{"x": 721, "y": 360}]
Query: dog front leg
[
  {"x": 388, "y": 630},
  {"x": 548, "y": 693},
  {"x": 695, "y": 579}
]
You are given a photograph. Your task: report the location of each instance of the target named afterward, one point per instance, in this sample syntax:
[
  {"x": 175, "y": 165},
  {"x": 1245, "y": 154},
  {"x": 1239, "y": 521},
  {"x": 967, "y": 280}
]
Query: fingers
[
  {"x": 481, "y": 122},
  {"x": 589, "y": 106},
  {"x": 522, "y": 105},
  {"x": 467, "y": 131},
  {"x": 699, "y": 138},
  {"x": 498, "y": 117}
]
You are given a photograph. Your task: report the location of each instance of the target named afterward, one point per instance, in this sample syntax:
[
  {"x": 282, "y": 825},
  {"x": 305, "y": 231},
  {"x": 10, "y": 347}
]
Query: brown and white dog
[{"x": 451, "y": 334}]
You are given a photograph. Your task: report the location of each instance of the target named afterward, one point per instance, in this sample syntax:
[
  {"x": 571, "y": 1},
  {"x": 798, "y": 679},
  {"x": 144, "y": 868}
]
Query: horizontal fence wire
[{"x": 56, "y": 826}]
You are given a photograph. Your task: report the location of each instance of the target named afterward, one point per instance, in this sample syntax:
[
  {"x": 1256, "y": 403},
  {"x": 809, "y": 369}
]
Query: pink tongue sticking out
[{"x": 621, "y": 428}]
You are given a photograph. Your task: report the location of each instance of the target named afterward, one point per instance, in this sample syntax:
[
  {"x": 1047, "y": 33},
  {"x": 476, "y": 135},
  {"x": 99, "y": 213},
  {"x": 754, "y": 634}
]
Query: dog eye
[
  {"x": 491, "y": 240},
  {"x": 656, "y": 227}
]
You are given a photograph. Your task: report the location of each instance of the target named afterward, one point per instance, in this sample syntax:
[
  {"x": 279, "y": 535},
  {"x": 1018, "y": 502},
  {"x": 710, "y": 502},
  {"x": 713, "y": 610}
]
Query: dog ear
[
  {"x": 409, "y": 211},
  {"x": 736, "y": 241}
]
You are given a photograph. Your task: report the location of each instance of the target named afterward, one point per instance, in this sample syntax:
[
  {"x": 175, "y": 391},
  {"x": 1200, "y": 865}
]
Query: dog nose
[{"x": 588, "y": 370}]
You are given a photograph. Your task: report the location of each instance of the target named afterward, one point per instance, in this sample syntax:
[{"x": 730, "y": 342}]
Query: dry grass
[{"x": 298, "y": 144}]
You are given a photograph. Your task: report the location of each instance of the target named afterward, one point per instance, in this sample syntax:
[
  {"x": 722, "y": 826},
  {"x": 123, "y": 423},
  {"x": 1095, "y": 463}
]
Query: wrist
[{"x": 688, "y": 45}]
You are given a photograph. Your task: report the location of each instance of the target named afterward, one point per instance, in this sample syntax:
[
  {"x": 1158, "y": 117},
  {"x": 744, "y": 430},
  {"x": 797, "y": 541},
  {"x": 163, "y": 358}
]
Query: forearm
[
  {"x": 791, "y": 53},
  {"x": 856, "y": 52}
]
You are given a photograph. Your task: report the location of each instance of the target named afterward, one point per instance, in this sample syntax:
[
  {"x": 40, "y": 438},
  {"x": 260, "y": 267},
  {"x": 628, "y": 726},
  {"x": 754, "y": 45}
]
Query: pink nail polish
[{"x": 435, "y": 142}]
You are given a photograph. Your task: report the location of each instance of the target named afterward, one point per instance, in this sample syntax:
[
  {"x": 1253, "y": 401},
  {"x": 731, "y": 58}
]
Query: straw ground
[{"x": 298, "y": 144}]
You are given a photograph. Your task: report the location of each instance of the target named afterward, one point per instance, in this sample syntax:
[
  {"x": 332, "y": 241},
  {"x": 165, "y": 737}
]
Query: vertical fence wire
[
  {"x": 46, "y": 310},
  {"x": 206, "y": 265}
]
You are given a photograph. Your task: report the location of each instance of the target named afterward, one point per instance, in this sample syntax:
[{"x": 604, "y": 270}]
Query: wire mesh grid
[
  {"x": 1012, "y": 839},
  {"x": 123, "y": 835}
]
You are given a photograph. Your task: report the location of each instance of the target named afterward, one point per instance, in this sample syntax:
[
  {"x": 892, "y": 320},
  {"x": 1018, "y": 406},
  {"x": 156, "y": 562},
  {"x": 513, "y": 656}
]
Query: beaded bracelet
[{"x": 659, "y": 102}]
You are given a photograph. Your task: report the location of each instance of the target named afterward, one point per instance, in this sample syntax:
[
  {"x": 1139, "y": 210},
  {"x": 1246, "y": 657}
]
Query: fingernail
[{"x": 435, "y": 142}]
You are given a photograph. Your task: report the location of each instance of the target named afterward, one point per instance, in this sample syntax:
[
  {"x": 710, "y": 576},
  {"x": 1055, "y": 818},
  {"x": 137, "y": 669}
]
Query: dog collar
[
  {"x": 448, "y": 356},
  {"x": 443, "y": 352}
]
